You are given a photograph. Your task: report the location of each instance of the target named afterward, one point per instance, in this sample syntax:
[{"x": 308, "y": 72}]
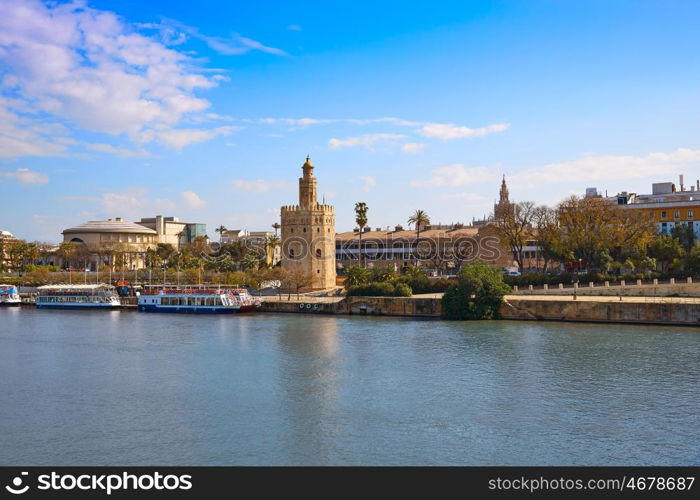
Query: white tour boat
[
  {"x": 98, "y": 296},
  {"x": 9, "y": 295},
  {"x": 197, "y": 300}
]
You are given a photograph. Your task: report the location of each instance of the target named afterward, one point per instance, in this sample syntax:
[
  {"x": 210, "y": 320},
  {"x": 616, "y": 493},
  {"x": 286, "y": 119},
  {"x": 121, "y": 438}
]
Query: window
[
  {"x": 690, "y": 214},
  {"x": 318, "y": 229},
  {"x": 677, "y": 214},
  {"x": 304, "y": 229},
  {"x": 318, "y": 253},
  {"x": 291, "y": 252},
  {"x": 663, "y": 214}
]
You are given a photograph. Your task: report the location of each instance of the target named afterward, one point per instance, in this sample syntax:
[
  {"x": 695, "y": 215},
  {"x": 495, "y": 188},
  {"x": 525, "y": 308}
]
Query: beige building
[
  {"x": 173, "y": 231},
  {"x": 308, "y": 234},
  {"x": 113, "y": 234}
]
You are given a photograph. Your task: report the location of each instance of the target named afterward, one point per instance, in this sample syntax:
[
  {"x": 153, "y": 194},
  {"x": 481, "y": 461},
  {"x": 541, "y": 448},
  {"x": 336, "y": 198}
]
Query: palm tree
[
  {"x": 419, "y": 218},
  {"x": 276, "y": 226},
  {"x": 65, "y": 251},
  {"x": 221, "y": 230},
  {"x": 180, "y": 235},
  {"x": 361, "y": 221},
  {"x": 273, "y": 241}
]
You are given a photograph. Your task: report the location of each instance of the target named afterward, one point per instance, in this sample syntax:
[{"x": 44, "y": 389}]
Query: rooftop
[{"x": 117, "y": 225}]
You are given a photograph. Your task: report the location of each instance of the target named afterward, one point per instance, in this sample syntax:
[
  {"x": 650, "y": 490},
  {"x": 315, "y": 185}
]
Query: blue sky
[{"x": 206, "y": 110}]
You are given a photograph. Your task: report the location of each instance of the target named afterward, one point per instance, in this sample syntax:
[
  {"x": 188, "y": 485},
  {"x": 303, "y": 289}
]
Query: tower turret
[{"x": 307, "y": 185}]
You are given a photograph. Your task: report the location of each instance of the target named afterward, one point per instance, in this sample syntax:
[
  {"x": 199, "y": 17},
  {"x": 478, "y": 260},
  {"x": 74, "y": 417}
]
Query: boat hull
[
  {"x": 186, "y": 309},
  {"x": 77, "y": 306}
]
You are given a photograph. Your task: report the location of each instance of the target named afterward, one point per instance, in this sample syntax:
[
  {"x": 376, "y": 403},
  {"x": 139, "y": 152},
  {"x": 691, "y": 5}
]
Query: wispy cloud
[
  {"x": 365, "y": 141},
  {"x": 119, "y": 151},
  {"x": 294, "y": 27},
  {"x": 258, "y": 186},
  {"x": 457, "y": 174},
  {"x": 192, "y": 199},
  {"x": 413, "y": 147},
  {"x": 180, "y": 138},
  {"x": 177, "y": 32},
  {"x": 133, "y": 202},
  {"x": 447, "y": 131},
  {"x": 26, "y": 176},
  {"x": 593, "y": 168},
  {"x": 368, "y": 182}
]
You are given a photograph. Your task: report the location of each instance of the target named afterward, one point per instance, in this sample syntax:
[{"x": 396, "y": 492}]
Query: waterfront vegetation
[
  {"x": 588, "y": 234},
  {"x": 478, "y": 293},
  {"x": 383, "y": 281}
]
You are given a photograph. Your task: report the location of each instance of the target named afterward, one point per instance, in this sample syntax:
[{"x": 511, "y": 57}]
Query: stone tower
[{"x": 308, "y": 234}]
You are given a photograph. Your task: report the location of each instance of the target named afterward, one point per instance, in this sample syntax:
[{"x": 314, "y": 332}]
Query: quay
[{"x": 682, "y": 311}]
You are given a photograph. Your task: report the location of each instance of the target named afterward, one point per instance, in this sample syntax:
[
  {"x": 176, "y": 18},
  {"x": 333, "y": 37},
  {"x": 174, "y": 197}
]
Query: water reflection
[{"x": 309, "y": 376}]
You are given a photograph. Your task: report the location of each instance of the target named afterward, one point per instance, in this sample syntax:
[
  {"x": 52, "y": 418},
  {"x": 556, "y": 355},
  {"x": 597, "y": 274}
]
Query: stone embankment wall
[
  {"x": 630, "y": 311},
  {"x": 516, "y": 307}
]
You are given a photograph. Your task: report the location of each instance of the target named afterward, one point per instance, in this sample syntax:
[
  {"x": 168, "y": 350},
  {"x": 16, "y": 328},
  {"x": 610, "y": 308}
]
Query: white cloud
[
  {"x": 447, "y": 131},
  {"x": 413, "y": 147},
  {"x": 368, "y": 182},
  {"x": 25, "y": 136},
  {"x": 26, "y": 176},
  {"x": 87, "y": 67},
  {"x": 235, "y": 45},
  {"x": 592, "y": 168},
  {"x": 123, "y": 152},
  {"x": 258, "y": 186},
  {"x": 133, "y": 202},
  {"x": 180, "y": 138},
  {"x": 192, "y": 199},
  {"x": 457, "y": 174},
  {"x": 365, "y": 141}
]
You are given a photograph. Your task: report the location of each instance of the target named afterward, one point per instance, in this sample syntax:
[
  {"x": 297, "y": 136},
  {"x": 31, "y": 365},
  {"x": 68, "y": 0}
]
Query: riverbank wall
[
  {"x": 641, "y": 310},
  {"x": 636, "y": 310}
]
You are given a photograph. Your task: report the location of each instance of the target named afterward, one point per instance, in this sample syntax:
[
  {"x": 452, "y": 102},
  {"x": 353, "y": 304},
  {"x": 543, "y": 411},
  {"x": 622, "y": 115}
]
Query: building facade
[
  {"x": 668, "y": 205},
  {"x": 173, "y": 231},
  {"x": 102, "y": 240},
  {"x": 308, "y": 234}
]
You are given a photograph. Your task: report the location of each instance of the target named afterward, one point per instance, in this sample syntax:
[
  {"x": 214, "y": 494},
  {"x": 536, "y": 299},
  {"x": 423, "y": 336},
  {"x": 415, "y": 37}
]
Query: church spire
[{"x": 503, "y": 198}]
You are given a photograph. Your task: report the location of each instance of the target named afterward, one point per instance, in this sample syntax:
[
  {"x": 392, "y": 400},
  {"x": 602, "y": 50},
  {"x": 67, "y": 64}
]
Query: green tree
[
  {"x": 692, "y": 261},
  {"x": 665, "y": 249},
  {"x": 477, "y": 295},
  {"x": 356, "y": 275},
  {"x": 685, "y": 234},
  {"x": 361, "y": 221}
]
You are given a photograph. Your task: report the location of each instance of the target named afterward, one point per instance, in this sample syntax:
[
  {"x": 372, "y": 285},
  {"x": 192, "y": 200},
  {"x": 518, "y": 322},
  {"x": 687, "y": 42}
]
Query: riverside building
[{"x": 308, "y": 234}]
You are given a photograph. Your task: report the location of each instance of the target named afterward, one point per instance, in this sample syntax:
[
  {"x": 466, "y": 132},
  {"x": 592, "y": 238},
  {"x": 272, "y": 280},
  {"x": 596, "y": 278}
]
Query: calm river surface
[{"x": 127, "y": 388}]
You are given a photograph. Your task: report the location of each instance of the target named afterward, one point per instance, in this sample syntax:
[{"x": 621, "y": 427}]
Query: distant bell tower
[
  {"x": 503, "y": 198},
  {"x": 308, "y": 234}
]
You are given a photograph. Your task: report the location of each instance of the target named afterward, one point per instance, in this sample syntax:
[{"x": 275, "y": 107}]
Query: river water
[{"x": 127, "y": 388}]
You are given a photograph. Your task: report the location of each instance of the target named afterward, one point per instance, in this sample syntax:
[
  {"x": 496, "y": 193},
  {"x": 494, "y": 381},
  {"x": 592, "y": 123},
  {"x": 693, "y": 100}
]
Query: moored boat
[
  {"x": 197, "y": 300},
  {"x": 9, "y": 295},
  {"x": 97, "y": 296}
]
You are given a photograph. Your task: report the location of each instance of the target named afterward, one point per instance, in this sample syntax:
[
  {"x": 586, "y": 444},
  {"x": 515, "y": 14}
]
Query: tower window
[
  {"x": 318, "y": 253},
  {"x": 291, "y": 252},
  {"x": 304, "y": 229},
  {"x": 318, "y": 271},
  {"x": 318, "y": 229}
]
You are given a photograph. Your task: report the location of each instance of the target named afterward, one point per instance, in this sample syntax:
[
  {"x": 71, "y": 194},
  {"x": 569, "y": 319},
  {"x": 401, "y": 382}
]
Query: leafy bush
[
  {"x": 478, "y": 294},
  {"x": 379, "y": 290}
]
